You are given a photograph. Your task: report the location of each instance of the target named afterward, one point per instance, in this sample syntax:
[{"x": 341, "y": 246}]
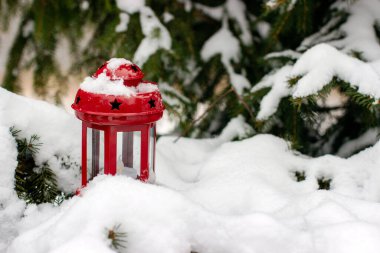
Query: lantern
[{"x": 118, "y": 112}]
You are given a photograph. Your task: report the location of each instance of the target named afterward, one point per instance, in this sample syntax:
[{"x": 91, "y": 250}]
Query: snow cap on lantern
[
  {"x": 117, "y": 107},
  {"x": 116, "y": 93},
  {"x": 119, "y": 68}
]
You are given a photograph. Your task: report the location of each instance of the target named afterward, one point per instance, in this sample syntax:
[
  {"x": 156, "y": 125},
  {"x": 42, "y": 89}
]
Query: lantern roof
[
  {"x": 121, "y": 69},
  {"x": 116, "y": 94}
]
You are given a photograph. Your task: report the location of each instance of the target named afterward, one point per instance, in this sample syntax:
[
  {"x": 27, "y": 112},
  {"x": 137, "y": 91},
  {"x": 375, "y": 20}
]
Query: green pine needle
[{"x": 117, "y": 237}]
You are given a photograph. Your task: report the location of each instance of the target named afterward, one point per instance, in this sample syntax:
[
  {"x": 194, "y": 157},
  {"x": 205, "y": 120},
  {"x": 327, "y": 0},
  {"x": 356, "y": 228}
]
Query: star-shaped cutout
[
  {"x": 152, "y": 103},
  {"x": 134, "y": 68},
  {"x": 77, "y": 100},
  {"x": 115, "y": 104}
]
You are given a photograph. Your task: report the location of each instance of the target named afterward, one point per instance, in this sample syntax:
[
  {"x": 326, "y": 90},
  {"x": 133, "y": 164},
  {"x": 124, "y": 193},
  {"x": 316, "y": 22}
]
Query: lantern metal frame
[
  {"x": 118, "y": 113},
  {"x": 110, "y": 149}
]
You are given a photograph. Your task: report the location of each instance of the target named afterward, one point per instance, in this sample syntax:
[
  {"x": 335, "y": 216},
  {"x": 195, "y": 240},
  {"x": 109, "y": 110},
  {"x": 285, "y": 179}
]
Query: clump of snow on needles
[
  {"x": 130, "y": 6},
  {"x": 123, "y": 25},
  {"x": 237, "y": 10},
  {"x": 103, "y": 85},
  {"x": 357, "y": 32},
  {"x": 278, "y": 82},
  {"x": 322, "y": 62},
  {"x": 317, "y": 67},
  {"x": 359, "y": 29},
  {"x": 212, "y": 195},
  {"x": 216, "y": 44},
  {"x": 156, "y": 36}
]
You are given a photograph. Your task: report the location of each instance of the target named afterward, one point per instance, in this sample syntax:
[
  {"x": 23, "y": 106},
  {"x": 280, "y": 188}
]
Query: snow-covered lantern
[{"x": 118, "y": 111}]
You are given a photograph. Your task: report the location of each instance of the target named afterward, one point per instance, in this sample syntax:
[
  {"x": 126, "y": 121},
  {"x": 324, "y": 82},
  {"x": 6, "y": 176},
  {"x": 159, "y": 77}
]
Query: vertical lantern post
[{"x": 119, "y": 112}]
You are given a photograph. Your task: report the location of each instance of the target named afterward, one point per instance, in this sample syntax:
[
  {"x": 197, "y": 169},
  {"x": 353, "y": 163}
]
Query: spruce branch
[
  {"x": 34, "y": 184},
  {"x": 244, "y": 103},
  {"x": 209, "y": 108},
  {"x": 117, "y": 237}
]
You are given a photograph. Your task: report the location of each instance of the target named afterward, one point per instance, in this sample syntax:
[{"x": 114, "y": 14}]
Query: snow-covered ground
[{"x": 211, "y": 195}]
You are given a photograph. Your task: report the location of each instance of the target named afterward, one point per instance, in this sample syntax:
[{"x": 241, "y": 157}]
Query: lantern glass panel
[
  {"x": 152, "y": 143},
  {"x": 95, "y": 152},
  {"x": 128, "y": 153}
]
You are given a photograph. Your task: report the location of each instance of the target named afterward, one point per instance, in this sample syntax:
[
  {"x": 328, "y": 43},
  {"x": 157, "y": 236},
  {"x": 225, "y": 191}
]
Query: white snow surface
[
  {"x": 211, "y": 195},
  {"x": 103, "y": 85}
]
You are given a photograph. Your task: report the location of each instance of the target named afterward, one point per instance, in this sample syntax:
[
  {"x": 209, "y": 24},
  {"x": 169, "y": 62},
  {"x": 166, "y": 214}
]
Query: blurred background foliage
[{"x": 198, "y": 93}]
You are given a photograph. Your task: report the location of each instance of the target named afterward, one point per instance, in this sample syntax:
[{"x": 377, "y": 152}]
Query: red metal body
[{"x": 116, "y": 113}]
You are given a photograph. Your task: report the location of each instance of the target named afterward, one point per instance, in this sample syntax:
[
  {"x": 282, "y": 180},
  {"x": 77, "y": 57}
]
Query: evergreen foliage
[
  {"x": 199, "y": 93},
  {"x": 117, "y": 237},
  {"x": 33, "y": 183}
]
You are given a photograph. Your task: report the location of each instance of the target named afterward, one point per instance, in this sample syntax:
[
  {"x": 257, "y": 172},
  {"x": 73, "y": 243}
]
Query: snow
[
  {"x": 84, "y": 5},
  {"x": 48, "y": 122},
  {"x": 370, "y": 137},
  {"x": 212, "y": 195},
  {"x": 263, "y": 28},
  {"x": 237, "y": 10},
  {"x": 6, "y": 40},
  {"x": 103, "y": 85},
  {"x": 216, "y": 44},
  {"x": 115, "y": 63},
  {"x": 271, "y": 4},
  {"x": 28, "y": 28},
  {"x": 130, "y": 6},
  {"x": 123, "y": 25},
  {"x": 58, "y": 140},
  {"x": 359, "y": 29},
  {"x": 286, "y": 53},
  {"x": 146, "y": 87},
  {"x": 11, "y": 207},
  {"x": 322, "y": 62},
  {"x": 322, "y": 36},
  {"x": 357, "y": 33},
  {"x": 279, "y": 89},
  {"x": 167, "y": 17},
  {"x": 187, "y": 4},
  {"x": 156, "y": 36},
  {"x": 317, "y": 67},
  {"x": 213, "y": 12}
]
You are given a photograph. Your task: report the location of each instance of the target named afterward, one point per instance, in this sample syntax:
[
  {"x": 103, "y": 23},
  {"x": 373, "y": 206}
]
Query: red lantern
[{"x": 119, "y": 113}]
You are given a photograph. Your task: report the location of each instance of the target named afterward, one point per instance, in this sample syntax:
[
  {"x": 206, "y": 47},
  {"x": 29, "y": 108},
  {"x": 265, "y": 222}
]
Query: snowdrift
[{"x": 212, "y": 195}]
